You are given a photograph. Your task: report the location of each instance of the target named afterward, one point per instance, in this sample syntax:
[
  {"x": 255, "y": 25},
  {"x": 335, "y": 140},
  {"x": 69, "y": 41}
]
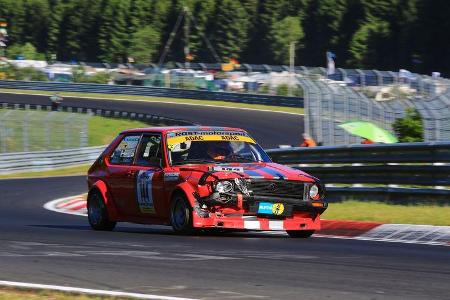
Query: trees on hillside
[{"x": 384, "y": 34}]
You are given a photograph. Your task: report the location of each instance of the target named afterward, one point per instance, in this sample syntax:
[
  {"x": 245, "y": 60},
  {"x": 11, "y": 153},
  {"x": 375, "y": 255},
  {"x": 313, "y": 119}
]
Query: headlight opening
[{"x": 224, "y": 186}]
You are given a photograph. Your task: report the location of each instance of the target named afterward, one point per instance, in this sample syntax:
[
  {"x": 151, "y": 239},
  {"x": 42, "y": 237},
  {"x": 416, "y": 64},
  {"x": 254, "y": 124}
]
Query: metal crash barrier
[
  {"x": 397, "y": 173},
  {"x": 153, "y": 91}
]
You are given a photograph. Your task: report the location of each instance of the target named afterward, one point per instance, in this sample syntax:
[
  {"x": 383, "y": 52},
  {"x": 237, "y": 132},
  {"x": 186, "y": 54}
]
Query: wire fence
[
  {"x": 380, "y": 97},
  {"x": 34, "y": 130}
]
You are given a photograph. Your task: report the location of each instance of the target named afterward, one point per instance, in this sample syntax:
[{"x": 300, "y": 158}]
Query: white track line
[
  {"x": 87, "y": 291},
  {"x": 159, "y": 101}
]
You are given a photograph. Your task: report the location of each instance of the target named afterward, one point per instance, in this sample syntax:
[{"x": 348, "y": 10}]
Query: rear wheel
[
  {"x": 98, "y": 213},
  {"x": 181, "y": 215},
  {"x": 300, "y": 233}
]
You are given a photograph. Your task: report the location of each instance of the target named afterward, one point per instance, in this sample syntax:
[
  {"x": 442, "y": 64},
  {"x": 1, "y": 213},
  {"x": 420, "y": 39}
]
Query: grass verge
[
  {"x": 75, "y": 170},
  {"x": 103, "y": 130},
  {"x": 294, "y": 110},
  {"x": 32, "y": 294},
  {"x": 389, "y": 213}
]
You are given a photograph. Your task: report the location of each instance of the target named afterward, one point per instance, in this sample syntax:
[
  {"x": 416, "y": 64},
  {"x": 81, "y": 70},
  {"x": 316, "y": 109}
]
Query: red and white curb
[
  {"x": 68, "y": 289},
  {"x": 74, "y": 205},
  {"x": 368, "y": 231}
]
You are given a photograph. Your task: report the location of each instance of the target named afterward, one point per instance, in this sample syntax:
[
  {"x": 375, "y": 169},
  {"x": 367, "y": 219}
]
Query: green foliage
[
  {"x": 230, "y": 34},
  {"x": 79, "y": 75},
  {"x": 282, "y": 34},
  {"x": 282, "y": 90},
  {"x": 144, "y": 44},
  {"x": 409, "y": 128},
  {"x": 365, "y": 42},
  {"x": 28, "y": 51},
  {"x": 12, "y": 72}
]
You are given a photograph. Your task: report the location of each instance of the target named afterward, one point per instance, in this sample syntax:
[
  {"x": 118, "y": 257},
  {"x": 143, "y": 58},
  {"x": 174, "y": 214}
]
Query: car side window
[
  {"x": 125, "y": 151},
  {"x": 150, "y": 150}
]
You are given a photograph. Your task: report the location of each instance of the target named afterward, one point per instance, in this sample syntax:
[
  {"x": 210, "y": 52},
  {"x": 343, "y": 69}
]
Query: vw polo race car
[{"x": 200, "y": 178}]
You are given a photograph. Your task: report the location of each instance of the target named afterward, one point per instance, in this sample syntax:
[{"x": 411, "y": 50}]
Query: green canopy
[{"x": 369, "y": 131}]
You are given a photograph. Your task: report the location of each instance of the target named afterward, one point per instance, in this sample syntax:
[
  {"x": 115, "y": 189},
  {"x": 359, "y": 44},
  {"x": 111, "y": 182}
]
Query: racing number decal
[
  {"x": 278, "y": 209},
  {"x": 144, "y": 191}
]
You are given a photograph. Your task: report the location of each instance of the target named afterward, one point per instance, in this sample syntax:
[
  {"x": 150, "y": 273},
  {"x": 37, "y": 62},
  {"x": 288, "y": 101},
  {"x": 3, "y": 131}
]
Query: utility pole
[
  {"x": 187, "y": 54},
  {"x": 291, "y": 66}
]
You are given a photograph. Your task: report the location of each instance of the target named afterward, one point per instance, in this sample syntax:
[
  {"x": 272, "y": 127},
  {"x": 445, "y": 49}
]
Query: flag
[{"x": 331, "y": 68}]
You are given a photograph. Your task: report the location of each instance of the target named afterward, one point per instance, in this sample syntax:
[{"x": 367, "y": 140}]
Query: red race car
[{"x": 198, "y": 178}]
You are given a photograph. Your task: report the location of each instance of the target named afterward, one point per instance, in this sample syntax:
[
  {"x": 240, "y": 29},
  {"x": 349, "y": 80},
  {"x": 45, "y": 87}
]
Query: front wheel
[
  {"x": 300, "y": 233},
  {"x": 97, "y": 213},
  {"x": 181, "y": 215}
]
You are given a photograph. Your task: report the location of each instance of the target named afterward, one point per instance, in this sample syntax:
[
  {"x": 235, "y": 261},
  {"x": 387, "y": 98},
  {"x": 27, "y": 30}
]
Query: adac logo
[{"x": 277, "y": 209}]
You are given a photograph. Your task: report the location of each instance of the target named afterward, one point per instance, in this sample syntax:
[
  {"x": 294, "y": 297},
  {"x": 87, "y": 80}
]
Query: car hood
[{"x": 260, "y": 170}]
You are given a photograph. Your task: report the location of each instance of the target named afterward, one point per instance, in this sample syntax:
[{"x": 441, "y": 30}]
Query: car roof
[{"x": 179, "y": 128}]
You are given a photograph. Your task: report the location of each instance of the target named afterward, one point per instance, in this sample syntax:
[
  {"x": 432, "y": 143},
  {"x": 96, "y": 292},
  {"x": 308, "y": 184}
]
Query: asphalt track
[
  {"x": 270, "y": 129},
  {"x": 45, "y": 247},
  {"x": 41, "y": 246}
]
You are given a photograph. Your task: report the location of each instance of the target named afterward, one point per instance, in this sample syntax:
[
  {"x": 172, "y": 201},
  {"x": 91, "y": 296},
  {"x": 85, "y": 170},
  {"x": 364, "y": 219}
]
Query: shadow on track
[{"x": 161, "y": 230}]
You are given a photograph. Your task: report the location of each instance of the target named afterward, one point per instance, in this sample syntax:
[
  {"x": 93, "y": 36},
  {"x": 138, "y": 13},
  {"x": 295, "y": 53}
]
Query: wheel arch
[
  {"x": 186, "y": 190},
  {"x": 100, "y": 187}
]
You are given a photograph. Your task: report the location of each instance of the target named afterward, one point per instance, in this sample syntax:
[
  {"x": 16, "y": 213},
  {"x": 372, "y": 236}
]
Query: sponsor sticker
[
  {"x": 278, "y": 209},
  {"x": 228, "y": 169},
  {"x": 144, "y": 191},
  {"x": 265, "y": 208},
  {"x": 189, "y": 136},
  {"x": 171, "y": 176}
]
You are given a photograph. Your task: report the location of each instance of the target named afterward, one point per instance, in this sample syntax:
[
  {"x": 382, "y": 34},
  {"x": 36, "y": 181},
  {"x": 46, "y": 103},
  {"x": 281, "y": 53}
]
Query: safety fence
[
  {"x": 398, "y": 173},
  {"x": 47, "y": 160},
  {"x": 153, "y": 91},
  {"x": 380, "y": 97},
  {"x": 28, "y": 127}
]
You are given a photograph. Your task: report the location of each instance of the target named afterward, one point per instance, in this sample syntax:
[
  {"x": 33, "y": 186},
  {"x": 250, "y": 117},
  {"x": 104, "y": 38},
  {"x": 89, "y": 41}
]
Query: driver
[{"x": 218, "y": 150}]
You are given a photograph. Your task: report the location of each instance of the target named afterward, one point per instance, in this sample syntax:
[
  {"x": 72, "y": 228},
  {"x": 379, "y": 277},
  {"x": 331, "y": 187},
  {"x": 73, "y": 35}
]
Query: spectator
[
  {"x": 56, "y": 100},
  {"x": 308, "y": 141},
  {"x": 367, "y": 142}
]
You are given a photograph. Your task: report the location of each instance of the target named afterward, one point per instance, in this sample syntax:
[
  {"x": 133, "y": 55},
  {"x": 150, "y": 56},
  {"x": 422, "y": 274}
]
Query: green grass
[
  {"x": 34, "y": 294},
  {"x": 388, "y": 213},
  {"x": 75, "y": 170},
  {"x": 103, "y": 130},
  {"x": 162, "y": 99}
]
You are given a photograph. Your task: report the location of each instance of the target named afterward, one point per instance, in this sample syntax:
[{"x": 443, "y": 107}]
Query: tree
[
  {"x": 322, "y": 22},
  {"x": 268, "y": 12},
  {"x": 410, "y": 128},
  {"x": 37, "y": 16},
  {"x": 144, "y": 44},
  {"x": 366, "y": 44},
  {"x": 113, "y": 33},
  {"x": 231, "y": 29},
  {"x": 57, "y": 10},
  {"x": 283, "y": 33}
]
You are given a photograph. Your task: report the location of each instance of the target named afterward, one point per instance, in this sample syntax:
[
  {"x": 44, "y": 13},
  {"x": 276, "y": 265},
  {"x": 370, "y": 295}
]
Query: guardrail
[
  {"x": 150, "y": 118},
  {"x": 153, "y": 91},
  {"x": 47, "y": 160},
  {"x": 415, "y": 166}
]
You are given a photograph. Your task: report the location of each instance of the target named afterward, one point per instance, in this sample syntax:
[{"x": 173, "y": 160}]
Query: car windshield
[{"x": 203, "y": 147}]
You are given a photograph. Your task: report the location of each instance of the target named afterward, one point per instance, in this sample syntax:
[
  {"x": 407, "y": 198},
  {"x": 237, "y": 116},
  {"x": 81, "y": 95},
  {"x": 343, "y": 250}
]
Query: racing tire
[
  {"x": 300, "y": 233},
  {"x": 98, "y": 213},
  {"x": 181, "y": 215}
]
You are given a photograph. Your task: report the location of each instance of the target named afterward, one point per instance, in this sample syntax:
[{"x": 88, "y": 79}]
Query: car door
[
  {"x": 122, "y": 174},
  {"x": 149, "y": 185}
]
